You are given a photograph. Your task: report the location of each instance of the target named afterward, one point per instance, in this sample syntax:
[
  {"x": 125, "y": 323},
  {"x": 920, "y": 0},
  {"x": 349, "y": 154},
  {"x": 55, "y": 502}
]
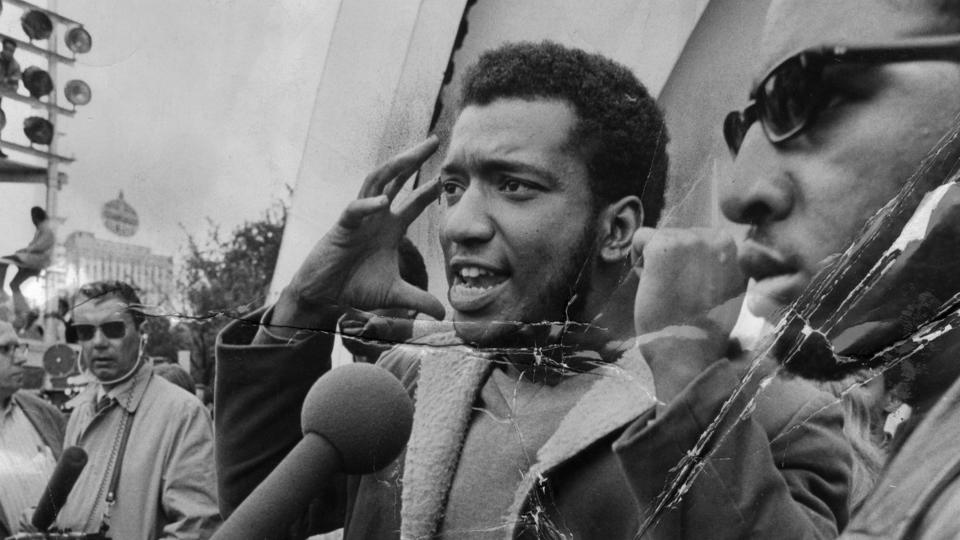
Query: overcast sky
[{"x": 200, "y": 110}]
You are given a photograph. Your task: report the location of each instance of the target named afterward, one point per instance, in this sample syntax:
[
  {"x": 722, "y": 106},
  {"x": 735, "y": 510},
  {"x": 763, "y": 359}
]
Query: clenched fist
[{"x": 688, "y": 299}]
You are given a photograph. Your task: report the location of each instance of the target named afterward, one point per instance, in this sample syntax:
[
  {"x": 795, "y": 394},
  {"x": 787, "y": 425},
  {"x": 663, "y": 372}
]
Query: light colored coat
[{"x": 167, "y": 484}]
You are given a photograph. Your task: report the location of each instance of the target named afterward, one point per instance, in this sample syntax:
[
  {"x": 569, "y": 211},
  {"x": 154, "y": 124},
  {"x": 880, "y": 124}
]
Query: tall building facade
[{"x": 87, "y": 258}]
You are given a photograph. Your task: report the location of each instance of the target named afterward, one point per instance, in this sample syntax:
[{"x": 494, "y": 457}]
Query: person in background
[
  {"x": 30, "y": 261},
  {"x": 177, "y": 375},
  {"x": 130, "y": 420},
  {"x": 31, "y": 437}
]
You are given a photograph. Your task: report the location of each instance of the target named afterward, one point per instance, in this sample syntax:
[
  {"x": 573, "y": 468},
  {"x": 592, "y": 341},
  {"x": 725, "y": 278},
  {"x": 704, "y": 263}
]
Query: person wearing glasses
[
  {"x": 31, "y": 436},
  {"x": 150, "y": 472},
  {"x": 849, "y": 99}
]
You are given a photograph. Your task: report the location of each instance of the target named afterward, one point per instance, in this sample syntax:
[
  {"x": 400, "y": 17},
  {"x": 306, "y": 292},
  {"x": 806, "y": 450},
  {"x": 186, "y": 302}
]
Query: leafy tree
[
  {"x": 163, "y": 339},
  {"x": 225, "y": 277}
]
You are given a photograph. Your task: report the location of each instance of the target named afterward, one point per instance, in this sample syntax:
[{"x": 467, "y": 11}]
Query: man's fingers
[
  {"x": 641, "y": 237},
  {"x": 726, "y": 313},
  {"x": 402, "y": 165},
  {"x": 419, "y": 199},
  {"x": 394, "y": 186},
  {"x": 412, "y": 297},
  {"x": 354, "y": 213}
]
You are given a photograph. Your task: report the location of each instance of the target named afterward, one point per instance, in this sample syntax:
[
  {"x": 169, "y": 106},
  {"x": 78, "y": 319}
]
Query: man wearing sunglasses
[
  {"x": 849, "y": 98},
  {"x": 150, "y": 472},
  {"x": 31, "y": 436}
]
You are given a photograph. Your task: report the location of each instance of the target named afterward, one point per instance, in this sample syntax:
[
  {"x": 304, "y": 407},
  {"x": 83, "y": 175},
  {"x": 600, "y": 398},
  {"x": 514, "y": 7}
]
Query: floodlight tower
[
  {"x": 46, "y": 25},
  {"x": 43, "y": 27}
]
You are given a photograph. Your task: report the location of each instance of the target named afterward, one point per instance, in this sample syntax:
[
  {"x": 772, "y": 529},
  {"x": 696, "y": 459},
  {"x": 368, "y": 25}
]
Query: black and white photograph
[{"x": 480, "y": 269}]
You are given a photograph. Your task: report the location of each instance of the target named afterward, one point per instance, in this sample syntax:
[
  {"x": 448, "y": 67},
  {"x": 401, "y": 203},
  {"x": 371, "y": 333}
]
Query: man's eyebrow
[{"x": 452, "y": 168}]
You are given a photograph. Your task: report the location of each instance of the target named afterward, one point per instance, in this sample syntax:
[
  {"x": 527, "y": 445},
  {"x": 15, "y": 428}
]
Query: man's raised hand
[{"x": 355, "y": 265}]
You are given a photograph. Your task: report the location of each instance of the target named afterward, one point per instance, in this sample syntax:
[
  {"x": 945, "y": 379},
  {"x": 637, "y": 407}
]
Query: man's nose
[
  {"x": 760, "y": 188},
  {"x": 468, "y": 221},
  {"x": 99, "y": 338}
]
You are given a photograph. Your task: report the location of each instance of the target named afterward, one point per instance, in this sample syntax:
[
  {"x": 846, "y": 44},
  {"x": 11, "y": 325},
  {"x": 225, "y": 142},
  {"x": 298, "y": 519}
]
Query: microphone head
[
  {"x": 363, "y": 411},
  {"x": 74, "y": 456}
]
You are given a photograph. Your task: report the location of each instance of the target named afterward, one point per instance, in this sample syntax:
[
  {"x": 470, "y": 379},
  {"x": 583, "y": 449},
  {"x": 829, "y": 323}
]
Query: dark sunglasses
[
  {"x": 787, "y": 99},
  {"x": 112, "y": 330}
]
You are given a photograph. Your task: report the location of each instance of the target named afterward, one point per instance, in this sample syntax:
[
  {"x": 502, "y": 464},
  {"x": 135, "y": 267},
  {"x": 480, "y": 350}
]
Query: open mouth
[{"x": 473, "y": 287}]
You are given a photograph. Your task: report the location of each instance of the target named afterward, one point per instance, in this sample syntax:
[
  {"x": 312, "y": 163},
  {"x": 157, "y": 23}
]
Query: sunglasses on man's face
[
  {"x": 787, "y": 99},
  {"x": 112, "y": 330}
]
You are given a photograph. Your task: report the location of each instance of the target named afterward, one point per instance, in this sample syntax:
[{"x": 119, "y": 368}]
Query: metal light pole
[{"x": 50, "y": 326}]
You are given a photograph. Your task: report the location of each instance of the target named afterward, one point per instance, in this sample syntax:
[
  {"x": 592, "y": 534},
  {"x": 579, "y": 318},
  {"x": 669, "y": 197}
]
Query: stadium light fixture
[{"x": 36, "y": 24}]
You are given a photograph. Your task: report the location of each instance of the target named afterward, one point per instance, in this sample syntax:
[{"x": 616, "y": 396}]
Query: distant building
[{"x": 86, "y": 258}]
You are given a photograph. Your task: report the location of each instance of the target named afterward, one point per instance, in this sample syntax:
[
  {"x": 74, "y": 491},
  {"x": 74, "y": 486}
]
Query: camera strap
[{"x": 121, "y": 449}]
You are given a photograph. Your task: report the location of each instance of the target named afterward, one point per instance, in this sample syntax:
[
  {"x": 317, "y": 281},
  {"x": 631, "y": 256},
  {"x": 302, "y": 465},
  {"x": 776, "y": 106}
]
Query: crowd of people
[{"x": 585, "y": 384}]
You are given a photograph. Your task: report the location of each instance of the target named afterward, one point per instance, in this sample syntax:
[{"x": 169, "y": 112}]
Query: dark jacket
[
  {"x": 578, "y": 486},
  {"x": 50, "y": 424},
  {"x": 782, "y": 473}
]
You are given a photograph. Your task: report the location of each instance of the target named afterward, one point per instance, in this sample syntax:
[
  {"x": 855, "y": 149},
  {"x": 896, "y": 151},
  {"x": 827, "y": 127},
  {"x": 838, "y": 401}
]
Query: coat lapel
[
  {"x": 450, "y": 378},
  {"x": 623, "y": 391}
]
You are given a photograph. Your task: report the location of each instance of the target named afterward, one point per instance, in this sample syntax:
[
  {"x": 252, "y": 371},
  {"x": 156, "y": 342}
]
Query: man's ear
[{"x": 619, "y": 221}]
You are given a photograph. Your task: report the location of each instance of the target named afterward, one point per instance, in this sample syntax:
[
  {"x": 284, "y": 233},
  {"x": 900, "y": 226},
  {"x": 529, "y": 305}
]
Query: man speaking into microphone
[{"x": 556, "y": 159}]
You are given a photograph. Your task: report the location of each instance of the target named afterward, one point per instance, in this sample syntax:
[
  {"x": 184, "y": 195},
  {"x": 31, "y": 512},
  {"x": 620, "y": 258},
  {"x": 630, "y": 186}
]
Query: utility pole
[{"x": 50, "y": 309}]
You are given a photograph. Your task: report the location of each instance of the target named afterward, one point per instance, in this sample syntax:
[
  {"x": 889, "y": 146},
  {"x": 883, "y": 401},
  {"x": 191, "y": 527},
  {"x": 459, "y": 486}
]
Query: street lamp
[
  {"x": 78, "y": 40},
  {"x": 38, "y": 130},
  {"x": 37, "y": 82},
  {"x": 36, "y": 24},
  {"x": 77, "y": 92}
]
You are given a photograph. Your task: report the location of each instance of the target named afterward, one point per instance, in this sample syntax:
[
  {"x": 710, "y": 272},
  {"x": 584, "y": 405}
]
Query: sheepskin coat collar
[{"x": 449, "y": 381}]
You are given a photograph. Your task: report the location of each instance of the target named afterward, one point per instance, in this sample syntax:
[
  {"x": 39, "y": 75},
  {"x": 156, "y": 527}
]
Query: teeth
[
  {"x": 473, "y": 272},
  {"x": 476, "y": 287}
]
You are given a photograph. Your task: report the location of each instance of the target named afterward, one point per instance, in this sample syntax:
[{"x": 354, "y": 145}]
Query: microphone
[
  {"x": 64, "y": 476},
  {"x": 356, "y": 419}
]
